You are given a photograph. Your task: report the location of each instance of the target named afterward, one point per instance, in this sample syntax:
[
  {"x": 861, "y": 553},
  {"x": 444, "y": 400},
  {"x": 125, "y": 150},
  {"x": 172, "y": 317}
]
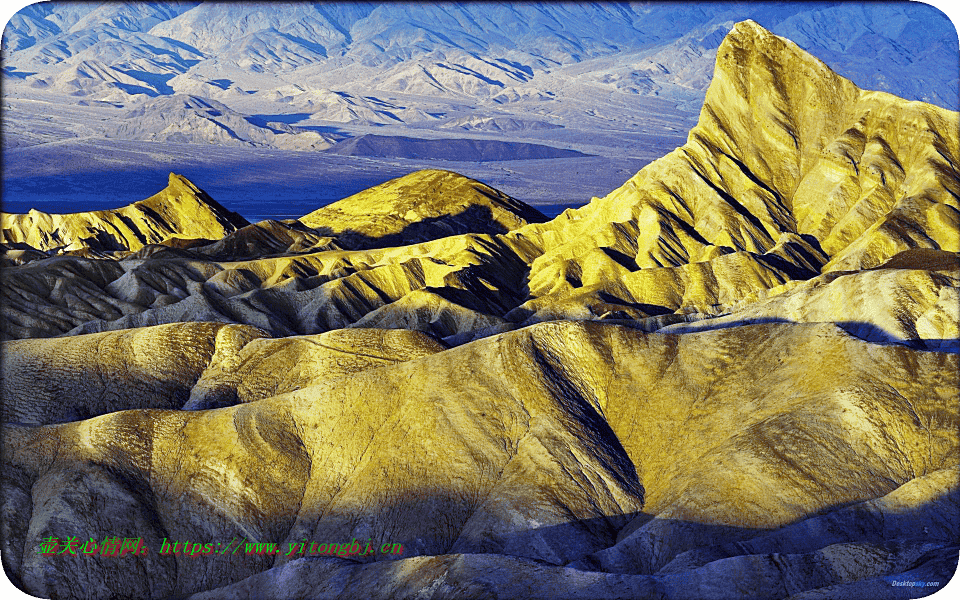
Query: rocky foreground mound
[
  {"x": 562, "y": 460},
  {"x": 734, "y": 377}
]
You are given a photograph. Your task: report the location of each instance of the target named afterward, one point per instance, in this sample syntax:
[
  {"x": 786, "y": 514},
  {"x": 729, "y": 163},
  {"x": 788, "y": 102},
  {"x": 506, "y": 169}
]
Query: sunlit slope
[
  {"x": 866, "y": 173},
  {"x": 57, "y": 380},
  {"x": 264, "y": 367},
  {"x": 791, "y": 169},
  {"x": 294, "y": 278},
  {"x": 421, "y": 206},
  {"x": 581, "y": 444},
  {"x": 181, "y": 210},
  {"x": 903, "y": 302},
  {"x": 191, "y": 366}
]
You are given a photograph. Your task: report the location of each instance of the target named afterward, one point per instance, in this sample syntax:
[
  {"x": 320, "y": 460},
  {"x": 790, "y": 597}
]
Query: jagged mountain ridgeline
[
  {"x": 735, "y": 376},
  {"x": 380, "y": 63}
]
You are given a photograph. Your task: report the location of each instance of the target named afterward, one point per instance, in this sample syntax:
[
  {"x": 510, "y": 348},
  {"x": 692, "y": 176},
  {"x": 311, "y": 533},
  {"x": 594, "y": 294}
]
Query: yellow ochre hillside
[
  {"x": 181, "y": 210},
  {"x": 424, "y": 205},
  {"x": 791, "y": 171}
]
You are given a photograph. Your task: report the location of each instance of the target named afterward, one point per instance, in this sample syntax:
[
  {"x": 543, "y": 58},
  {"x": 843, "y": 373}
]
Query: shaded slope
[
  {"x": 285, "y": 295},
  {"x": 263, "y": 239}
]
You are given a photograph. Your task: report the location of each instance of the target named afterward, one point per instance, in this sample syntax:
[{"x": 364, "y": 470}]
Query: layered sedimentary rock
[
  {"x": 263, "y": 368},
  {"x": 291, "y": 277},
  {"x": 791, "y": 169},
  {"x": 57, "y": 380},
  {"x": 906, "y": 301},
  {"x": 734, "y": 377}
]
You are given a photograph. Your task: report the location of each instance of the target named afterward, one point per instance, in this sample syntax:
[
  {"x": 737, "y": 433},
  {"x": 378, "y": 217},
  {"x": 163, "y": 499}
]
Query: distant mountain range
[{"x": 474, "y": 50}]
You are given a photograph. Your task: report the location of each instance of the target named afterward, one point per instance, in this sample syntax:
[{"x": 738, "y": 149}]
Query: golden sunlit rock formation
[
  {"x": 425, "y": 205},
  {"x": 791, "y": 171},
  {"x": 736, "y": 376},
  {"x": 180, "y": 210},
  {"x": 589, "y": 445}
]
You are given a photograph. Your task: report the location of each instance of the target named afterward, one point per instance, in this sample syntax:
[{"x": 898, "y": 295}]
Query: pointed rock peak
[
  {"x": 181, "y": 210},
  {"x": 751, "y": 54},
  {"x": 173, "y": 177},
  {"x": 433, "y": 186},
  {"x": 749, "y": 32},
  {"x": 751, "y": 27},
  {"x": 175, "y": 181},
  {"x": 179, "y": 188},
  {"x": 771, "y": 105}
]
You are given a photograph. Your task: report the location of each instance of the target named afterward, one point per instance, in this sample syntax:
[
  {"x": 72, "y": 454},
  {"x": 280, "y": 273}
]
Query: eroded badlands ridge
[
  {"x": 182, "y": 209},
  {"x": 792, "y": 173},
  {"x": 735, "y": 376}
]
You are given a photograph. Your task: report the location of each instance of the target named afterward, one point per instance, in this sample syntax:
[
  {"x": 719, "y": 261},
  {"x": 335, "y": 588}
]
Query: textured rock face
[
  {"x": 791, "y": 171},
  {"x": 907, "y": 300},
  {"x": 54, "y": 380},
  {"x": 294, "y": 277},
  {"x": 591, "y": 446},
  {"x": 734, "y": 377},
  {"x": 247, "y": 372},
  {"x": 870, "y": 175},
  {"x": 181, "y": 210}
]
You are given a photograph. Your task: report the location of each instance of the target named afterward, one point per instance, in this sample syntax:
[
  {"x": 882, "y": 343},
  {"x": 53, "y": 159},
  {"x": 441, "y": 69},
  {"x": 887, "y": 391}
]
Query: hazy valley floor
[{"x": 68, "y": 172}]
